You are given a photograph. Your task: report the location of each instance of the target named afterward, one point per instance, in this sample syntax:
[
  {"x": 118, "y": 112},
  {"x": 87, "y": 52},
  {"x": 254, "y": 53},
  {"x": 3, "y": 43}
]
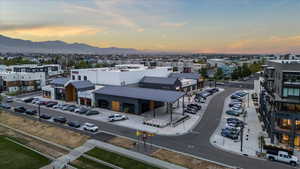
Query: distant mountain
[{"x": 8, "y": 44}]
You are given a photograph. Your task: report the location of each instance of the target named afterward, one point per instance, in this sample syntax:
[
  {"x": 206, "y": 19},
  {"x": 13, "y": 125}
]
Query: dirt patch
[
  {"x": 54, "y": 134},
  {"x": 38, "y": 145},
  {"x": 185, "y": 161},
  {"x": 122, "y": 142}
]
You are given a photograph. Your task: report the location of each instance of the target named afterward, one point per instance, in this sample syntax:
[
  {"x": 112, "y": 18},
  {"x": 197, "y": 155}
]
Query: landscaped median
[{"x": 15, "y": 156}]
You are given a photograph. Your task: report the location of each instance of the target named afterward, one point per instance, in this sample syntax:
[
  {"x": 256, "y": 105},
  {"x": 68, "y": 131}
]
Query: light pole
[
  {"x": 242, "y": 135},
  {"x": 39, "y": 112}
]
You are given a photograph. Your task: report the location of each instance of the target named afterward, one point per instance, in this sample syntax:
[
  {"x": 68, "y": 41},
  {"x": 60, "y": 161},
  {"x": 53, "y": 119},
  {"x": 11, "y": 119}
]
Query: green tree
[
  {"x": 203, "y": 72},
  {"x": 219, "y": 74}
]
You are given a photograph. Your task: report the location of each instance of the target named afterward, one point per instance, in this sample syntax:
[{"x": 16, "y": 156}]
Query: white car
[
  {"x": 90, "y": 127},
  {"x": 117, "y": 117}
]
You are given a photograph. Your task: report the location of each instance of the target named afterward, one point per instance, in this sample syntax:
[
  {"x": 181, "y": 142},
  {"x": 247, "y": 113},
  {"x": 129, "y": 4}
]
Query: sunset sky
[{"x": 223, "y": 26}]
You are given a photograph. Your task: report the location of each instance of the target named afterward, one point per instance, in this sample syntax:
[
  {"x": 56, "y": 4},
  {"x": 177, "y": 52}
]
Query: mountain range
[{"x": 12, "y": 45}]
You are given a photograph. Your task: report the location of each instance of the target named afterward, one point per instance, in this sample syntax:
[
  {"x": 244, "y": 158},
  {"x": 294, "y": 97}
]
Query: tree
[
  {"x": 203, "y": 72},
  {"x": 245, "y": 70},
  {"x": 219, "y": 74},
  {"x": 237, "y": 73}
]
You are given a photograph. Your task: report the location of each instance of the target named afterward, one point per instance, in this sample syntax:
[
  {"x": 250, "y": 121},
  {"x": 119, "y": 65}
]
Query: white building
[
  {"x": 120, "y": 74},
  {"x": 49, "y": 69},
  {"x": 21, "y": 81}
]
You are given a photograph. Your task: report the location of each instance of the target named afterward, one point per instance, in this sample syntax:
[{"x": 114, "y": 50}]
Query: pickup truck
[{"x": 282, "y": 156}]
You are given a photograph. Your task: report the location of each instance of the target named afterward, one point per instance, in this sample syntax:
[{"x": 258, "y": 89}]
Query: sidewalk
[
  {"x": 252, "y": 131},
  {"x": 73, "y": 155},
  {"x": 134, "y": 155}
]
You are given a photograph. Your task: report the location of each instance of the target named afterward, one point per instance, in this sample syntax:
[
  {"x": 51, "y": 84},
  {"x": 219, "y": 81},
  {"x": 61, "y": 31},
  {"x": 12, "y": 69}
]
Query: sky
[{"x": 205, "y": 26}]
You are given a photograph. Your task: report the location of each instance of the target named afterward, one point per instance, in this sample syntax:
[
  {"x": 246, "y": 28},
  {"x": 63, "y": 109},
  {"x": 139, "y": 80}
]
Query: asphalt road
[{"x": 195, "y": 143}]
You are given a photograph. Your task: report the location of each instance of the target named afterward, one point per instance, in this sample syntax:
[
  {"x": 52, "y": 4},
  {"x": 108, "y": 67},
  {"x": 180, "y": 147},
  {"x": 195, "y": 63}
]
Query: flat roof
[{"x": 141, "y": 93}]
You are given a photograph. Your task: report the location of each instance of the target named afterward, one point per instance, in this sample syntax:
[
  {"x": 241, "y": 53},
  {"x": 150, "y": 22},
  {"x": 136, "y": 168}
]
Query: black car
[
  {"x": 92, "y": 112},
  {"x": 4, "y": 106},
  {"x": 28, "y": 100},
  {"x": 60, "y": 119},
  {"x": 51, "y": 104},
  {"x": 31, "y": 112},
  {"x": 195, "y": 106},
  {"x": 19, "y": 109},
  {"x": 74, "y": 124},
  {"x": 72, "y": 108},
  {"x": 45, "y": 116},
  {"x": 190, "y": 111},
  {"x": 81, "y": 110}
]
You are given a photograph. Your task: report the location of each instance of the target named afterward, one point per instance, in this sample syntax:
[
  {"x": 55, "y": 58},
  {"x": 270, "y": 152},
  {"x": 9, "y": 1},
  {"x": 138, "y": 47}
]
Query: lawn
[
  {"x": 84, "y": 163},
  {"x": 118, "y": 160},
  {"x": 14, "y": 156}
]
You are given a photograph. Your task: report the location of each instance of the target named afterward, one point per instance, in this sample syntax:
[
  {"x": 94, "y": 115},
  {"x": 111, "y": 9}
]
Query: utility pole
[
  {"x": 242, "y": 135},
  {"x": 39, "y": 111}
]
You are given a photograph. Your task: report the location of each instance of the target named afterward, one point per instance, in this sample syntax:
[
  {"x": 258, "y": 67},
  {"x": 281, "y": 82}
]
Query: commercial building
[
  {"x": 166, "y": 83},
  {"x": 67, "y": 90},
  {"x": 120, "y": 75},
  {"x": 280, "y": 101},
  {"x": 135, "y": 100},
  {"x": 189, "y": 81},
  {"x": 21, "y": 81}
]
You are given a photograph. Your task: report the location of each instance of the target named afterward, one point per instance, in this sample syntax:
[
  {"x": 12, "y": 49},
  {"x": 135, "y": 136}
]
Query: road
[{"x": 195, "y": 143}]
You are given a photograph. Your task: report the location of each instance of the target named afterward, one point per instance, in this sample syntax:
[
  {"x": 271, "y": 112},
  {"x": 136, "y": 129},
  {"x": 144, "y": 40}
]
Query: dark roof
[
  {"x": 82, "y": 84},
  {"x": 59, "y": 81},
  {"x": 194, "y": 76},
  {"x": 159, "y": 80},
  {"x": 141, "y": 93}
]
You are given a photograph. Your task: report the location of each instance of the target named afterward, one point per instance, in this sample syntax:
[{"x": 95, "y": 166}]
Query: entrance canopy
[{"x": 141, "y": 93}]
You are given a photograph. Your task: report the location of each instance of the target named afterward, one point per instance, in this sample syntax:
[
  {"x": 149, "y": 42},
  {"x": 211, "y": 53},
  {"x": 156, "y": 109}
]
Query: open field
[
  {"x": 118, "y": 160},
  {"x": 14, "y": 156},
  {"x": 46, "y": 131}
]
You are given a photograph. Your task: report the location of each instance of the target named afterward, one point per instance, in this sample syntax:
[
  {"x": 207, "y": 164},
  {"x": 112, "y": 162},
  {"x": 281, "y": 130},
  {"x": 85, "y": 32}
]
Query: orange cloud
[{"x": 52, "y": 31}]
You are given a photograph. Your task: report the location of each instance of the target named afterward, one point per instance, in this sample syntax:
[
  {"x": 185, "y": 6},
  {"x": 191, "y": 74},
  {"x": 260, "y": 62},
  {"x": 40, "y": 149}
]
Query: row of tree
[{"x": 239, "y": 72}]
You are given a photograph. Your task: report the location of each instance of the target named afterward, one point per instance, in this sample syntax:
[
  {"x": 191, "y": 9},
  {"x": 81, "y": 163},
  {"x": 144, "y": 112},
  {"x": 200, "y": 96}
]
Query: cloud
[
  {"x": 109, "y": 11},
  {"x": 49, "y": 31},
  {"x": 240, "y": 44},
  {"x": 172, "y": 24}
]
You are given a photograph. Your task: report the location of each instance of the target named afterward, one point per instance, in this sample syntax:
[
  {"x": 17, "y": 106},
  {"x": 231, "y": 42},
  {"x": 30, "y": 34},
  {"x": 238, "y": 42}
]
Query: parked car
[
  {"x": 90, "y": 127},
  {"x": 41, "y": 102},
  {"x": 92, "y": 112},
  {"x": 72, "y": 108},
  {"x": 4, "y": 106},
  {"x": 35, "y": 101},
  {"x": 117, "y": 117},
  {"x": 19, "y": 109},
  {"x": 282, "y": 156},
  {"x": 51, "y": 103},
  {"x": 74, "y": 124},
  {"x": 232, "y": 103},
  {"x": 9, "y": 99},
  {"x": 28, "y": 99},
  {"x": 31, "y": 112},
  {"x": 195, "y": 106},
  {"x": 190, "y": 111},
  {"x": 81, "y": 110},
  {"x": 235, "y": 97},
  {"x": 236, "y": 108},
  {"x": 228, "y": 133},
  {"x": 59, "y": 106},
  {"x": 45, "y": 116},
  {"x": 60, "y": 119},
  {"x": 233, "y": 113}
]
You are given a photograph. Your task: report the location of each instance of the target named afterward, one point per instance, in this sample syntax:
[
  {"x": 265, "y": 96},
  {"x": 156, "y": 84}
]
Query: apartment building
[
  {"x": 280, "y": 101},
  {"x": 50, "y": 70},
  {"x": 21, "y": 81}
]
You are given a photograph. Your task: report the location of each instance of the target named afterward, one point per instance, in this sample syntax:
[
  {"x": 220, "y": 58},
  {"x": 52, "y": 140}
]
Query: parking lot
[
  {"x": 103, "y": 115},
  {"x": 238, "y": 124}
]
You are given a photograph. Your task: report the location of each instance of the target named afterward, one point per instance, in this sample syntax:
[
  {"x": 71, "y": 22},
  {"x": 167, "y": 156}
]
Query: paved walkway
[
  {"x": 73, "y": 155},
  {"x": 134, "y": 155}
]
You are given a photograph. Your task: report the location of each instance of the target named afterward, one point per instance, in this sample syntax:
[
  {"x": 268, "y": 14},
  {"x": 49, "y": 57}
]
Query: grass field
[
  {"x": 118, "y": 160},
  {"x": 14, "y": 156},
  {"x": 84, "y": 163}
]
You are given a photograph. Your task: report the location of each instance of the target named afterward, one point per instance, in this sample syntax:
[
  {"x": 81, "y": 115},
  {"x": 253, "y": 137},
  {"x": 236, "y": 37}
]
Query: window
[
  {"x": 291, "y": 92},
  {"x": 85, "y": 77},
  {"x": 73, "y": 77},
  {"x": 79, "y": 77}
]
